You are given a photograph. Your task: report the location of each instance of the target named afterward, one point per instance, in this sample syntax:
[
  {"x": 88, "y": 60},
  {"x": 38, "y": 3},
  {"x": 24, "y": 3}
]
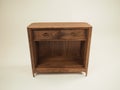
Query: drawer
[
  {"x": 73, "y": 34},
  {"x": 45, "y": 35}
]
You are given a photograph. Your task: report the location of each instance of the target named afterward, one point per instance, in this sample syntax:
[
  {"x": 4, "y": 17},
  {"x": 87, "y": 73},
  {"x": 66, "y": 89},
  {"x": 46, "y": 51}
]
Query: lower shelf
[
  {"x": 60, "y": 70},
  {"x": 60, "y": 64}
]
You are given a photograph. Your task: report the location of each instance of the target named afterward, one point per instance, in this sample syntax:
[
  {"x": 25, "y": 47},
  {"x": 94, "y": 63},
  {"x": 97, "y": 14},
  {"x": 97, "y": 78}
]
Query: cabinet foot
[{"x": 34, "y": 74}]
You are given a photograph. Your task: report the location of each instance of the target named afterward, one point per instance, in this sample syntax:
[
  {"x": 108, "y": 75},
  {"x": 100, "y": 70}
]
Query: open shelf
[
  {"x": 60, "y": 62},
  {"x": 64, "y": 54}
]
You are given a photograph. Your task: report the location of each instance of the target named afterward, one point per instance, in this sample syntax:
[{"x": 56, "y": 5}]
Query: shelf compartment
[
  {"x": 60, "y": 62},
  {"x": 60, "y": 65},
  {"x": 64, "y": 54}
]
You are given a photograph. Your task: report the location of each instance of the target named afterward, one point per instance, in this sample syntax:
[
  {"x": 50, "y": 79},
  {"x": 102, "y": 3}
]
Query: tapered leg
[
  {"x": 33, "y": 75},
  {"x": 86, "y": 73}
]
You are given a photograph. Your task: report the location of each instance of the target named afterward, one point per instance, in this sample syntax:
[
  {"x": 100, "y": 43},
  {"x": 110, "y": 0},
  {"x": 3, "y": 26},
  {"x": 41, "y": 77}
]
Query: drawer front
[
  {"x": 45, "y": 35},
  {"x": 73, "y": 34}
]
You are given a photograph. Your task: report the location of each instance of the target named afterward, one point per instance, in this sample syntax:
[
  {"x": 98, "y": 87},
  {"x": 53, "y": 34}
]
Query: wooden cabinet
[{"x": 59, "y": 47}]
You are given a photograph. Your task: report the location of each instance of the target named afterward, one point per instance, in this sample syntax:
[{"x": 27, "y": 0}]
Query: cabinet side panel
[
  {"x": 88, "y": 47},
  {"x": 31, "y": 50}
]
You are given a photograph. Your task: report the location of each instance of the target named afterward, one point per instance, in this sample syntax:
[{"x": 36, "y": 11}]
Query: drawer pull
[{"x": 45, "y": 34}]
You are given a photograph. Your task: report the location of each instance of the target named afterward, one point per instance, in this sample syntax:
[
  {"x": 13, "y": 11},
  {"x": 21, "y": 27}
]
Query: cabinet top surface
[{"x": 59, "y": 25}]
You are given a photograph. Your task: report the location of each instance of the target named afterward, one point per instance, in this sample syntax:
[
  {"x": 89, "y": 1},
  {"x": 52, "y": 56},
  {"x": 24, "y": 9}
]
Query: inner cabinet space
[{"x": 60, "y": 54}]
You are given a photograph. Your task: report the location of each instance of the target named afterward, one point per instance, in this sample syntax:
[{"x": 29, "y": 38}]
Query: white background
[{"x": 104, "y": 65}]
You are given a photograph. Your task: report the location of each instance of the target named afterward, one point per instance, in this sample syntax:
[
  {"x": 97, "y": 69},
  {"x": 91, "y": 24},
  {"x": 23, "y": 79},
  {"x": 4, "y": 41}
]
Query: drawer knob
[{"x": 45, "y": 34}]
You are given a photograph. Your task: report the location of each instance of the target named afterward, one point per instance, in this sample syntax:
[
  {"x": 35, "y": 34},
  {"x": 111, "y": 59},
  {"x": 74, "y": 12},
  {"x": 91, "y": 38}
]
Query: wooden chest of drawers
[{"x": 59, "y": 47}]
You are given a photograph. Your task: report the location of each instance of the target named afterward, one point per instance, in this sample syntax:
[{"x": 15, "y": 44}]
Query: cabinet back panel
[
  {"x": 73, "y": 49},
  {"x": 56, "y": 48}
]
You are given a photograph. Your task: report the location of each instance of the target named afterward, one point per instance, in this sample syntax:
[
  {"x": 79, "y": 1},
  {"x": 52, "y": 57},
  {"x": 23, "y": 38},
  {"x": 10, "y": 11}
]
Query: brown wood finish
[{"x": 59, "y": 47}]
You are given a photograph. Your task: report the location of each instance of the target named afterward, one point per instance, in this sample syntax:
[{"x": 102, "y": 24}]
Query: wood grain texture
[
  {"x": 61, "y": 34},
  {"x": 60, "y": 70},
  {"x": 59, "y": 47},
  {"x": 39, "y": 25}
]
